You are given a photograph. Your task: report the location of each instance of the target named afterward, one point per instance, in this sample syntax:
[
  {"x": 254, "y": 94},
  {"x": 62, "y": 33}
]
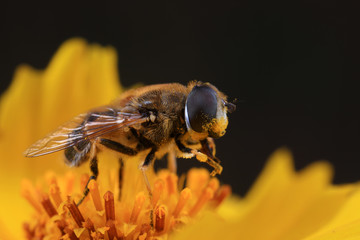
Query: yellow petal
[
  {"x": 346, "y": 218},
  {"x": 349, "y": 231},
  {"x": 283, "y": 204}
]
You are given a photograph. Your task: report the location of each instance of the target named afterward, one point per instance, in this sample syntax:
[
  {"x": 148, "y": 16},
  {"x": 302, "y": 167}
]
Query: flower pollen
[{"x": 171, "y": 206}]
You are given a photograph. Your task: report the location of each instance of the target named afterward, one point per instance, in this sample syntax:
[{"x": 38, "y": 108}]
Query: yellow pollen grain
[
  {"x": 185, "y": 195},
  {"x": 95, "y": 194},
  {"x": 138, "y": 204},
  {"x": 206, "y": 195}
]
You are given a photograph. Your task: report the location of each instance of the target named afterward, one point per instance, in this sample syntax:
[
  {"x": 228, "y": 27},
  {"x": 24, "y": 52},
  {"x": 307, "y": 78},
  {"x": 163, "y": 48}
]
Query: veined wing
[{"x": 83, "y": 127}]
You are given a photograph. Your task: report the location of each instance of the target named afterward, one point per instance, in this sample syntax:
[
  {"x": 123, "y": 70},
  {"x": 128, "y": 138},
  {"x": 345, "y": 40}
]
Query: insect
[{"x": 157, "y": 119}]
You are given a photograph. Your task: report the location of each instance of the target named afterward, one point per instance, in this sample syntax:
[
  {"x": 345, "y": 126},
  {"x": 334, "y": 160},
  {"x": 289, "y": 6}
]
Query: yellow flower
[{"x": 282, "y": 204}]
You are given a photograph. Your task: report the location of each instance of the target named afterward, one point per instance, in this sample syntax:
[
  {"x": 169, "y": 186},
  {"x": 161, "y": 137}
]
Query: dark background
[{"x": 293, "y": 66}]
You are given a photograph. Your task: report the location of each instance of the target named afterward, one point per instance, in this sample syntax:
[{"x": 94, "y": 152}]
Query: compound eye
[{"x": 200, "y": 108}]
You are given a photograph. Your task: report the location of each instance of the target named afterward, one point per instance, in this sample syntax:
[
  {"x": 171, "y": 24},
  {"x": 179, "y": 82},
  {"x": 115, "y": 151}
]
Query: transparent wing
[{"x": 83, "y": 127}]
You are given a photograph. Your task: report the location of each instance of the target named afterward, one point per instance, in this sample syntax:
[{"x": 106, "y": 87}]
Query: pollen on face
[{"x": 103, "y": 216}]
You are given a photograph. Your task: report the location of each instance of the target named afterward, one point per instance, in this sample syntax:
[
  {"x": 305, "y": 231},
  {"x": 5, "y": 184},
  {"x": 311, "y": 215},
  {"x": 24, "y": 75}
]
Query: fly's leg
[
  {"x": 95, "y": 172},
  {"x": 118, "y": 147},
  {"x": 149, "y": 158},
  {"x": 121, "y": 176},
  {"x": 201, "y": 157},
  {"x": 208, "y": 147}
]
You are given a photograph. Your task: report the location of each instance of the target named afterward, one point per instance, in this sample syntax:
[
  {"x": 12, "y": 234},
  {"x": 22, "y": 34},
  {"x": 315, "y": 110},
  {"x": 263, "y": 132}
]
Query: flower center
[{"x": 143, "y": 217}]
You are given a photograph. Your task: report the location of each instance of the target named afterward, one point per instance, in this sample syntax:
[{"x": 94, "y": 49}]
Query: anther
[
  {"x": 158, "y": 190},
  {"x": 172, "y": 181},
  {"x": 206, "y": 195},
  {"x": 222, "y": 194},
  {"x": 214, "y": 184},
  {"x": 160, "y": 217},
  {"x": 71, "y": 234},
  {"x": 69, "y": 180},
  {"x": 28, "y": 232},
  {"x": 83, "y": 181},
  {"x": 185, "y": 195},
  {"x": 109, "y": 206},
  {"x": 48, "y": 206},
  {"x": 55, "y": 194},
  {"x": 138, "y": 204},
  {"x": 89, "y": 225},
  {"x": 197, "y": 180},
  {"x": 27, "y": 191},
  {"x": 112, "y": 230},
  {"x": 95, "y": 194},
  {"x": 75, "y": 212},
  {"x": 144, "y": 231}
]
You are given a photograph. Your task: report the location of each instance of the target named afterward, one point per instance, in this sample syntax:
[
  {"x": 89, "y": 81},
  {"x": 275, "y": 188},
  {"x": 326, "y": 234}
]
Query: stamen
[
  {"x": 69, "y": 181},
  {"x": 50, "y": 178},
  {"x": 197, "y": 180},
  {"x": 206, "y": 195},
  {"x": 112, "y": 230},
  {"x": 48, "y": 206},
  {"x": 83, "y": 181},
  {"x": 172, "y": 180},
  {"x": 158, "y": 190},
  {"x": 27, "y": 190},
  {"x": 144, "y": 231},
  {"x": 28, "y": 232},
  {"x": 185, "y": 195},
  {"x": 71, "y": 234},
  {"x": 160, "y": 217},
  {"x": 89, "y": 225},
  {"x": 55, "y": 194},
  {"x": 95, "y": 194},
  {"x": 138, "y": 204},
  {"x": 109, "y": 206},
  {"x": 75, "y": 212},
  {"x": 214, "y": 184},
  {"x": 61, "y": 224},
  {"x": 222, "y": 194},
  {"x": 168, "y": 208}
]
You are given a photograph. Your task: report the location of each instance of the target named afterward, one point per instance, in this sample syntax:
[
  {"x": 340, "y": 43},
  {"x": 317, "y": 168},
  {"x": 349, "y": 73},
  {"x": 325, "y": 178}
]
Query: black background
[{"x": 293, "y": 66}]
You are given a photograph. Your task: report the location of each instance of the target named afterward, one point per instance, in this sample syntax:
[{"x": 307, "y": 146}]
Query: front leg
[
  {"x": 200, "y": 156},
  {"x": 208, "y": 147}
]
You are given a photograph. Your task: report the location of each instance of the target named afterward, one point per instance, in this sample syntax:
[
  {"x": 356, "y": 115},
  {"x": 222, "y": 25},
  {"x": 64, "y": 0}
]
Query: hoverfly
[{"x": 150, "y": 120}]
